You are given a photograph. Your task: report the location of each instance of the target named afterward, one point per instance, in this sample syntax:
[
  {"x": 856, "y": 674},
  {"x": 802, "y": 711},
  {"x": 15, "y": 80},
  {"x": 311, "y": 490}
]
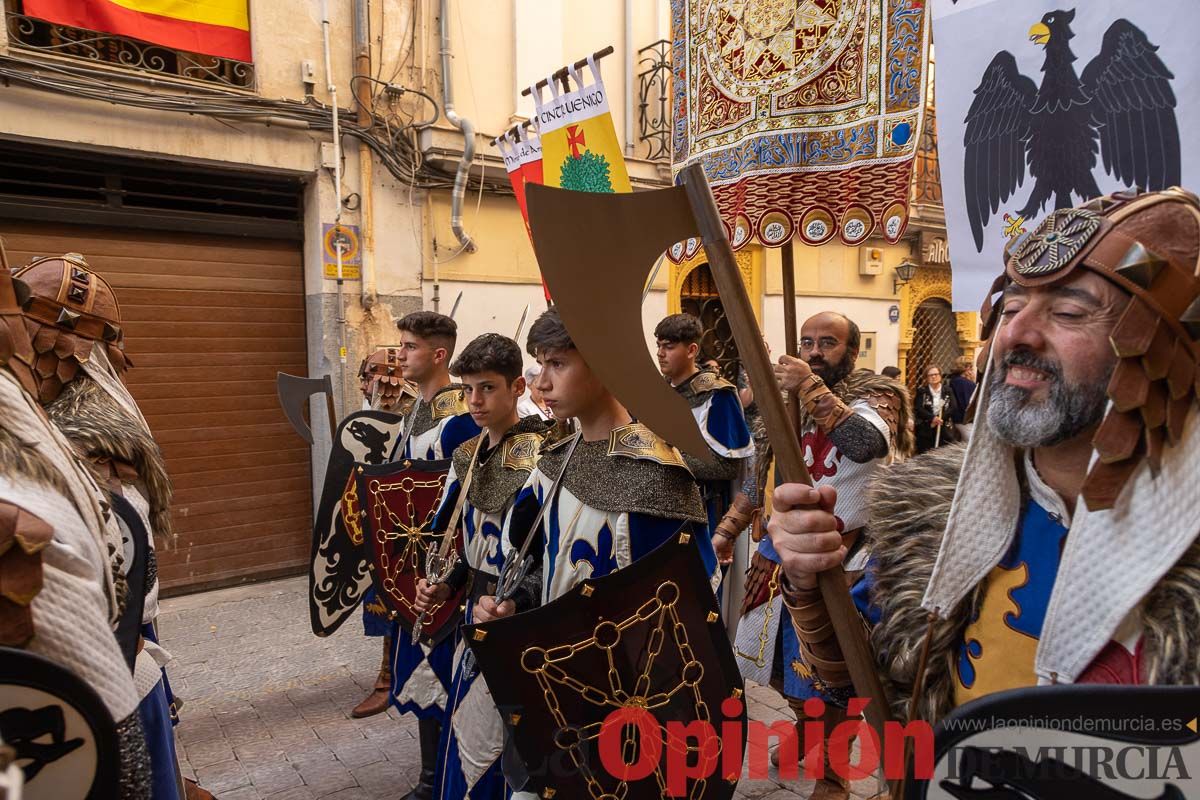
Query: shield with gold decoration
[
  {"x": 337, "y": 572},
  {"x": 620, "y": 687},
  {"x": 399, "y": 502}
]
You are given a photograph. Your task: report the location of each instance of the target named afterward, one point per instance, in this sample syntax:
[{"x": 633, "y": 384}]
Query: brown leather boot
[
  {"x": 377, "y": 701},
  {"x": 832, "y": 786}
]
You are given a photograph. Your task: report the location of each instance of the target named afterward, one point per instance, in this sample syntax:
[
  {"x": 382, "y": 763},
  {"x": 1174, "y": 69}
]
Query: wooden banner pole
[
  {"x": 789, "y": 458},
  {"x": 561, "y": 74}
]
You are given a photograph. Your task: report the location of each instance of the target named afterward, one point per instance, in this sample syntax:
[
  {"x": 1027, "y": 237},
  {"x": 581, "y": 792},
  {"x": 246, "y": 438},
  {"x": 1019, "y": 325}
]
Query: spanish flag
[{"x": 212, "y": 27}]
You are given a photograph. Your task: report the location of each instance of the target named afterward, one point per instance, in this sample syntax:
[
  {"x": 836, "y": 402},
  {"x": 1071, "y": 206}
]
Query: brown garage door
[{"x": 209, "y": 321}]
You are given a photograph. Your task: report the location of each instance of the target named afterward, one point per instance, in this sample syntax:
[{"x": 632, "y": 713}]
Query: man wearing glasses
[{"x": 851, "y": 424}]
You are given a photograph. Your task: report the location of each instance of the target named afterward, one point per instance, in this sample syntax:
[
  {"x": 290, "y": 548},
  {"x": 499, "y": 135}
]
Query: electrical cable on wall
[{"x": 391, "y": 137}]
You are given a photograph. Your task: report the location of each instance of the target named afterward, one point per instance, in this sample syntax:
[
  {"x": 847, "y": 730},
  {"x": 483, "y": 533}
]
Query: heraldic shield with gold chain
[
  {"x": 399, "y": 501},
  {"x": 615, "y": 665}
]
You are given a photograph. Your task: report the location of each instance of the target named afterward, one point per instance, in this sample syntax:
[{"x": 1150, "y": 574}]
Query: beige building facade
[{"x": 204, "y": 190}]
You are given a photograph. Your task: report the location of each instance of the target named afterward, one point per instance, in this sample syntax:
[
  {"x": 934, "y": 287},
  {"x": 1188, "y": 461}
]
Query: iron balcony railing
[
  {"x": 654, "y": 100},
  {"x": 39, "y": 36}
]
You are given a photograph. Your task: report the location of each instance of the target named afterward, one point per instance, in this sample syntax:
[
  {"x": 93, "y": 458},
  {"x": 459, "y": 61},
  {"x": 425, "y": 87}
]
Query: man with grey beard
[
  {"x": 1060, "y": 545},
  {"x": 1067, "y": 410}
]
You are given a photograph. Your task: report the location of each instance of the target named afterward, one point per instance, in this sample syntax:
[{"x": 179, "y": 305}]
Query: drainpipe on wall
[
  {"x": 468, "y": 132},
  {"x": 362, "y": 93},
  {"x": 630, "y": 54},
  {"x": 337, "y": 181}
]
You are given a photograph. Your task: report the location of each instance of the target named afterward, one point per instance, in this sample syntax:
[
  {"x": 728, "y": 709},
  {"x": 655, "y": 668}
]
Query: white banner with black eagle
[{"x": 1044, "y": 104}]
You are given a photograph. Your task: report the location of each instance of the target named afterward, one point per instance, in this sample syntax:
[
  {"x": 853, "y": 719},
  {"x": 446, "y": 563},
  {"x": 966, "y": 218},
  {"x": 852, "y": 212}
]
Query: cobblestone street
[{"x": 266, "y": 703}]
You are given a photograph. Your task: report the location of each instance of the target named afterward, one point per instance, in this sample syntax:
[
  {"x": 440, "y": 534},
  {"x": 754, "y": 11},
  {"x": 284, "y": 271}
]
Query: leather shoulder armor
[
  {"x": 23, "y": 536},
  {"x": 521, "y": 451},
  {"x": 706, "y": 381},
  {"x": 450, "y": 402}
]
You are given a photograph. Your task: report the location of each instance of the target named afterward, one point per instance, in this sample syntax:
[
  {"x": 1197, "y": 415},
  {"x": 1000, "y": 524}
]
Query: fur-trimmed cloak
[{"x": 910, "y": 504}]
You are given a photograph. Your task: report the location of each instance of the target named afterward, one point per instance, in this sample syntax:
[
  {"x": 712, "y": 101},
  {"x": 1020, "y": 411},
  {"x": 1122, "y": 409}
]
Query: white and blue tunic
[
  {"x": 718, "y": 411},
  {"x": 618, "y": 500},
  {"x": 472, "y": 738},
  {"x": 421, "y": 675}
]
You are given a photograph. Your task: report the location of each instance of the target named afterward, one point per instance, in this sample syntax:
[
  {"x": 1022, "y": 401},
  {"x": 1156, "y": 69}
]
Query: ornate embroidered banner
[
  {"x": 1044, "y": 105},
  {"x": 804, "y": 113}
]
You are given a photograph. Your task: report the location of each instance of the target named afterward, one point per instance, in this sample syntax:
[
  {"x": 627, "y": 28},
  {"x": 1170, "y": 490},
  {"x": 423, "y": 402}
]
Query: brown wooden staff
[
  {"x": 785, "y": 441},
  {"x": 595, "y": 250}
]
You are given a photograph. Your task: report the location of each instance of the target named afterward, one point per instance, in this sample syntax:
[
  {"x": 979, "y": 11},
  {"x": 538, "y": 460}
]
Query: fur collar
[
  {"x": 100, "y": 430},
  {"x": 860, "y": 384},
  {"x": 910, "y": 505}
]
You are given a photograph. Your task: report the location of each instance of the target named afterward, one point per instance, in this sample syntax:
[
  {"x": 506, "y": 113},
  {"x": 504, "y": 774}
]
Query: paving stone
[
  {"x": 297, "y": 793},
  {"x": 260, "y": 751},
  {"x": 211, "y": 752},
  {"x": 244, "y": 793},
  {"x": 222, "y": 777},
  {"x": 275, "y": 778},
  {"x": 323, "y": 779},
  {"x": 358, "y": 754},
  {"x": 385, "y": 779},
  {"x": 355, "y": 793},
  {"x": 267, "y": 704}
]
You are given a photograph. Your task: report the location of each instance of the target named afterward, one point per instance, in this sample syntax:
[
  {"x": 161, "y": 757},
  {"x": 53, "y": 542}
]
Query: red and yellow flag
[{"x": 213, "y": 27}]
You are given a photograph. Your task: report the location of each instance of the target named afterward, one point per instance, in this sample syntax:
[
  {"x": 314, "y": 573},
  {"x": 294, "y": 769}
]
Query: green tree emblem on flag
[
  {"x": 583, "y": 171},
  {"x": 586, "y": 172}
]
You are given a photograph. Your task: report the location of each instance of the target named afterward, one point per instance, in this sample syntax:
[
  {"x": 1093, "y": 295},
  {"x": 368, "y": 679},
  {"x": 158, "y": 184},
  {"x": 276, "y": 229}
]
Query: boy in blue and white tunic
[
  {"x": 624, "y": 491},
  {"x": 718, "y": 411},
  {"x": 472, "y": 738},
  {"x": 438, "y": 423}
]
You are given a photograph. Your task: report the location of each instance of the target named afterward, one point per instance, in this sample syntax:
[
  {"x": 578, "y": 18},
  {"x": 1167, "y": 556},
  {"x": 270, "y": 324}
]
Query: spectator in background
[
  {"x": 531, "y": 404},
  {"x": 962, "y": 386},
  {"x": 890, "y": 372},
  {"x": 934, "y": 409}
]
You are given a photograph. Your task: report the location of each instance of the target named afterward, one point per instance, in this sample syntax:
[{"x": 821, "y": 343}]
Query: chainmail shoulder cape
[
  {"x": 504, "y": 470},
  {"x": 616, "y": 483}
]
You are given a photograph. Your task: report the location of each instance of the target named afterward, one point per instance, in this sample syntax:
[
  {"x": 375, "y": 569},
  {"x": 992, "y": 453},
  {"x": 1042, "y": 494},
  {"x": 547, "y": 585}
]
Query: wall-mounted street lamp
[{"x": 905, "y": 271}]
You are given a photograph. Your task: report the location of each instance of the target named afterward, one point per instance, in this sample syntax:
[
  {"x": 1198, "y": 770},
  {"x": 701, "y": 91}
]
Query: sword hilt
[
  {"x": 437, "y": 570},
  {"x": 512, "y": 575}
]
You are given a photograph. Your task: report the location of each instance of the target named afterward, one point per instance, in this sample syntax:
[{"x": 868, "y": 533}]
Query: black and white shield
[
  {"x": 58, "y": 731},
  {"x": 338, "y": 574},
  {"x": 135, "y": 542},
  {"x": 1102, "y": 742}
]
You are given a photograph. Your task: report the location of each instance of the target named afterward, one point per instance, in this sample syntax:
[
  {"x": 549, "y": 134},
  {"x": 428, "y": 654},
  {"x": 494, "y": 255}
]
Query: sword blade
[
  {"x": 653, "y": 275},
  {"x": 521, "y": 324}
]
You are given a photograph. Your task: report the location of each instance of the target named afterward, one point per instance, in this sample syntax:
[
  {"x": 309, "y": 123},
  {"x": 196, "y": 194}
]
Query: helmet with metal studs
[
  {"x": 1148, "y": 245},
  {"x": 69, "y": 311}
]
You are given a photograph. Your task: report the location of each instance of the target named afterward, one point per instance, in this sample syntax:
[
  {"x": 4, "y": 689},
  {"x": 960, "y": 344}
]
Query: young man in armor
[{"x": 490, "y": 469}]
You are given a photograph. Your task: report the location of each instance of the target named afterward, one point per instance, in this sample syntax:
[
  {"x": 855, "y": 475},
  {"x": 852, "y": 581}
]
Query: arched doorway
[
  {"x": 693, "y": 290},
  {"x": 698, "y": 296},
  {"x": 935, "y": 340},
  {"x": 930, "y": 331}
]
